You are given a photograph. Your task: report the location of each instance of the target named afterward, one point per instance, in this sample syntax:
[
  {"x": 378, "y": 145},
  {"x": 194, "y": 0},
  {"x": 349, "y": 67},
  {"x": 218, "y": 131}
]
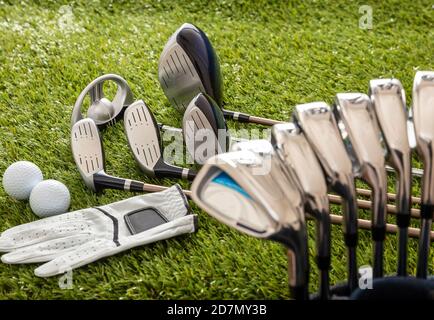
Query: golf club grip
[
  {"x": 243, "y": 117},
  {"x": 402, "y": 251},
  {"x": 324, "y": 290},
  {"x": 424, "y": 246}
]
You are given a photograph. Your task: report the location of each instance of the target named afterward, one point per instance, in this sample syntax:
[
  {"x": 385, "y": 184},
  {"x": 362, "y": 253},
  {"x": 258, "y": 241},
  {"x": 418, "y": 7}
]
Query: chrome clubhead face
[
  {"x": 423, "y": 117},
  {"x": 204, "y": 129},
  {"x": 261, "y": 205},
  {"x": 356, "y": 119},
  {"x": 319, "y": 127},
  {"x": 189, "y": 65},
  {"x": 143, "y": 137},
  {"x": 102, "y": 110},
  {"x": 297, "y": 155},
  {"x": 87, "y": 150}
]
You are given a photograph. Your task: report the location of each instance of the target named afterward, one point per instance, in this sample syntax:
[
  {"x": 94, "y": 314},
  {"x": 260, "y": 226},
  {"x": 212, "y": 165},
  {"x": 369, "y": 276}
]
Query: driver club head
[
  {"x": 144, "y": 139},
  {"x": 229, "y": 188},
  {"x": 423, "y": 117},
  {"x": 204, "y": 129},
  {"x": 102, "y": 110},
  {"x": 189, "y": 65}
]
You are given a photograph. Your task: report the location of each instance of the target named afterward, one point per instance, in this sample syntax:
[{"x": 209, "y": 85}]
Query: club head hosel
[
  {"x": 376, "y": 177},
  {"x": 426, "y": 151},
  {"x": 321, "y": 214},
  {"x": 103, "y": 181},
  {"x": 401, "y": 162},
  {"x": 346, "y": 188},
  {"x": 298, "y": 261},
  {"x": 164, "y": 170}
]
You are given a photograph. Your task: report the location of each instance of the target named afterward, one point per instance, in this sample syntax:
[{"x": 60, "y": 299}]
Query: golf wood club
[
  {"x": 361, "y": 135},
  {"x": 145, "y": 143}
]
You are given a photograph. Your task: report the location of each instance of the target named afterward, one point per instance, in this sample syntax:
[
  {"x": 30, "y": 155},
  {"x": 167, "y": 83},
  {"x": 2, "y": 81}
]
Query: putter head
[
  {"x": 87, "y": 150},
  {"x": 102, "y": 110},
  {"x": 423, "y": 117},
  {"x": 144, "y": 139},
  {"x": 204, "y": 128},
  {"x": 260, "y": 205},
  {"x": 362, "y": 135},
  {"x": 297, "y": 155},
  {"x": 189, "y": 65}
]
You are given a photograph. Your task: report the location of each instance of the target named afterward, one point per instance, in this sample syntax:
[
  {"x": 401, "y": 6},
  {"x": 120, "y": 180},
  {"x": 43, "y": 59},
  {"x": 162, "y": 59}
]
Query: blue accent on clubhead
[{"x": 225, "y": 180}]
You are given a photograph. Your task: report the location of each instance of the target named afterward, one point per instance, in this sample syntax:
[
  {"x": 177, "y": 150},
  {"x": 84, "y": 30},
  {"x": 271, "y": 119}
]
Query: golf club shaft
[
  {"x": 424, "y": 246},
  {"x": 243, "y": 117},
  {"x": 378, "y": 258},
  {"x": 352, "y": 264},
  {"x": 402, "y": 251},
  {"x": 324, "y": 290}
]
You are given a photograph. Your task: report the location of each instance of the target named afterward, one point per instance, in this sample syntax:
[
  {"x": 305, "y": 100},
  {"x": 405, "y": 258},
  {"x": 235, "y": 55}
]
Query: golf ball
[
  {"x": 49, "y": 197},
  {"x": 20, "y": 178}
]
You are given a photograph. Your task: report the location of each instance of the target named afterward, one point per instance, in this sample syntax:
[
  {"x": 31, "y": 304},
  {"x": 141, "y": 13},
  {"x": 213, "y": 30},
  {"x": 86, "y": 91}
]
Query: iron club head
[{"x": 261, "y": 205}]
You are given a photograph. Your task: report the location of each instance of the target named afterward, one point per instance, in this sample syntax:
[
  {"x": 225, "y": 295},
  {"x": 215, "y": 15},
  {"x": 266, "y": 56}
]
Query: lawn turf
[{"x": 273, "y": 55}]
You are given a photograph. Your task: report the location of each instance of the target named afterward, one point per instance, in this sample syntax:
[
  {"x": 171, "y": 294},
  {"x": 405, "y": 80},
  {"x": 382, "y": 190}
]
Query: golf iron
[
  {"x": 234, "y": 188},
  {"x": 423, "y": 116},
  {"x": 319, "y": 127},
  {"x": 361, "y": 135},
  {"x": 388, "y": 102}
]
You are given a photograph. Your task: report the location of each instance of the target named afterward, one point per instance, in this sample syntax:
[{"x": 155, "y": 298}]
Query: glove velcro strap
[
  {"x": 144, "y": 219},
  {"x": 115, "y": 225}
]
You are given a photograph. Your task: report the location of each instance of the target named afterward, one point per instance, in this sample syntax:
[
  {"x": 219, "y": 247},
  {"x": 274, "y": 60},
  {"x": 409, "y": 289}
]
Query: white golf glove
[{"x": 74, "y": 239}]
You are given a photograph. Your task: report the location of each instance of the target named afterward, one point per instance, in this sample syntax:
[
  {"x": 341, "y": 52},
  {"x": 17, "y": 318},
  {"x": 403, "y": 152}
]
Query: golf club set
[{"x": 264, "y": 188}]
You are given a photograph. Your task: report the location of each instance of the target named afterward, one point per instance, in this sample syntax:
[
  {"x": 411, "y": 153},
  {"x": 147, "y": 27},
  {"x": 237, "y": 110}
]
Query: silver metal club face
[
  {"x": 355, "y": 114},
  {"x": 423, "y": 117},
  {"x": 144, "y": 140},
  {"x": 87, "y": 150},
  {"x": 262, "y": 206}
]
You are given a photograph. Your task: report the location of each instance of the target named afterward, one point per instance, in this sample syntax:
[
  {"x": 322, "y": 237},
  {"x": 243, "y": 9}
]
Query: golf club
[
  {"x": 388, "y": 102},
  {"x": 234, "y": 188},
  {"x": 145, "y": 143},
  {"x": 102, "y": 110},
  {"x": 423, "y": 116},
  {"x": 297, "y": 156},
  {"x": 189, "y": 65},
  {"x": 319, "y": 127},
  {"x": 204, "y": 129},
  {"x": 317, "y": 211},
  {"x": 361, "y": 135}
]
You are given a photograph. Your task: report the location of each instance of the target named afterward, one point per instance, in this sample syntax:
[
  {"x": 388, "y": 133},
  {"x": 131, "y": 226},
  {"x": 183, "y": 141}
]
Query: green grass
[{"x": 273, "y": 55}]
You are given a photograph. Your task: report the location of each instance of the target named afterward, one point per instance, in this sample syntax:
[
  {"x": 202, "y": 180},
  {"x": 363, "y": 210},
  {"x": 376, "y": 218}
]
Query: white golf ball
[
  {"x": 20, "y": 178},
  {"x": 49, "y": 197}
]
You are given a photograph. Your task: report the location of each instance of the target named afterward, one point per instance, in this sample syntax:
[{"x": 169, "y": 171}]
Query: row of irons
[{"x": 331, "y": 146}]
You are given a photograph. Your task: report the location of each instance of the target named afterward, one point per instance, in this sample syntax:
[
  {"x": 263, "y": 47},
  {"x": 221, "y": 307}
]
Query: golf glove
[{"x": 74, "y": 239}]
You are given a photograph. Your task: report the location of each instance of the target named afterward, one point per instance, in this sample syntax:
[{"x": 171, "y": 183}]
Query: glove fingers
[
  {"x": 22, "y": 237},
  {"x": 81, "y": 256},
  {"x": 45, "y": 251}
]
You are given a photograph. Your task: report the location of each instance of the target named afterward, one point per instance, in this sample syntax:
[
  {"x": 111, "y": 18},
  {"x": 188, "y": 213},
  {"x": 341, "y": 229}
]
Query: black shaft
[
  {"x": 324, "y": 290},
  {"x": 352, "y": 269},
  {"x": 378, "y": 258},
  {"x": 402, "y": 251},
  {"x": 424, "y": 246}
]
